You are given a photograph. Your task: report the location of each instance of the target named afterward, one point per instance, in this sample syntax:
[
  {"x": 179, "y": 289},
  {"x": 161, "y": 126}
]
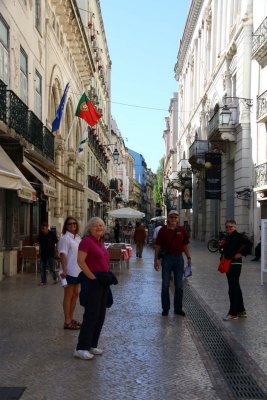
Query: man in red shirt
[{"x": 174, "y": 241}]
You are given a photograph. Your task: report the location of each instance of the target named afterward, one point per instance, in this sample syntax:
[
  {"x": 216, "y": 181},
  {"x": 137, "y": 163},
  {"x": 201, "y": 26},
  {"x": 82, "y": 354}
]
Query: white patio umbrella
[{"x": 127, "y": 212}]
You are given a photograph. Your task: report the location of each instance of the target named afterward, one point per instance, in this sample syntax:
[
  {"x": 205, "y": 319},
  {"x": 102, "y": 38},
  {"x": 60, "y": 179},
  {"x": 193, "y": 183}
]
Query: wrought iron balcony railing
[
  {"x": 16, "y": 115},
  {"x": 98, "y": 186},
  {"x": 260, "y": 175},
  {"x": 197, "y": 151},
  {"x": 259, "y": 41},
  {"x": 97, "y": 149},
  {"x": 3, "y": 102},
  {"x": 262, "y": 107},
  {"x": 49, "y": 143}
]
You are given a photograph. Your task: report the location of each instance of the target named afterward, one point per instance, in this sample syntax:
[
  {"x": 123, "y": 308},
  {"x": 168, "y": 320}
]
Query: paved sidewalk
[
  {"x": 212, "y": 286},
  {"x": 146, "y": 356}
]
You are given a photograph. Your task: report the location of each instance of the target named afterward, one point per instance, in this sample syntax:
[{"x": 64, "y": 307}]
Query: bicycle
[{"x": 213, "y": 244}]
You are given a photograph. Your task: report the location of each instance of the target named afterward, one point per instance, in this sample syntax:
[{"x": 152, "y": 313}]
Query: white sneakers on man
[{"x": 83, "y": 354}]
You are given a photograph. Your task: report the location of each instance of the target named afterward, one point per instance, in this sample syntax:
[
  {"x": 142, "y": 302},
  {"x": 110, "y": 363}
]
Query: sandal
[
  {"x": 71, "y": 326},
  {"x": 74, "y": 322}
]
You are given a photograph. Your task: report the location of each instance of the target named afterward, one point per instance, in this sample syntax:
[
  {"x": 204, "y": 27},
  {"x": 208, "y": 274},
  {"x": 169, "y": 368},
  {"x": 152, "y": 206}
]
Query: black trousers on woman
[
  {"x": 94, "y": 315},
  {"x": 235, "y": 293}
]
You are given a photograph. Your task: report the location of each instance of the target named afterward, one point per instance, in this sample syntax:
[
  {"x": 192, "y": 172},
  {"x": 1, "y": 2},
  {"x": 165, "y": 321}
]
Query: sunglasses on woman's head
[{"x": 72, "y": 223}]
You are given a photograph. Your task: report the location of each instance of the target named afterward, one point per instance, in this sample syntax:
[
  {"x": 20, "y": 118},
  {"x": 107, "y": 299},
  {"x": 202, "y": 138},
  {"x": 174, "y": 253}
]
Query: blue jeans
[
  {"x": 47, "y": 262},
  {"x": 172, "y": 264}
]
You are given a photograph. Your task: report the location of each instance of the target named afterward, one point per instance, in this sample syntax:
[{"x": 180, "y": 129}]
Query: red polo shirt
[
  {"x": 97, "y": 257},
  {"x": 174, "y": 245}
]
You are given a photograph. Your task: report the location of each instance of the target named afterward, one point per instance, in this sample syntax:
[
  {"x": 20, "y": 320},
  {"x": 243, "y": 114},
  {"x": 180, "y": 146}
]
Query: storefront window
[
  {"x": 24, "y": 220},
  {"x": 35, "y": 218}
]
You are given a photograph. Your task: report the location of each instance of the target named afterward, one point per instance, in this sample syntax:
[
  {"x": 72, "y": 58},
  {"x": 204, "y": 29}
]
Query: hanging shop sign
[
  {"x": 213, "y": 167},
  {"x": 186, "y": 185}
]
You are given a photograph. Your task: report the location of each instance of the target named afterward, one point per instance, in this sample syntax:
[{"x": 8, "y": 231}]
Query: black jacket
[{"x": 236, "y": 243}]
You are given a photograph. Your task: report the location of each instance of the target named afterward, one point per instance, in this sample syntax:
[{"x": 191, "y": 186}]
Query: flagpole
[{"x": 69, "y": 132}]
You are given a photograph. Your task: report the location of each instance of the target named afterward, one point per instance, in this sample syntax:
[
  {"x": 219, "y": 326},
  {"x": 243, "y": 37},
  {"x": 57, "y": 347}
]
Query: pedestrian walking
[
  {"x": 173, "y": 242},
  {"x": 187, "y": 229},
  {"x": 234, "y": 246},
  {"x": 93, "y": 259},
  {"x": 117, "y": 230},
  {"x": 139, "y": 238},
  {"x": 47, "y": 241},
  {"x": 159, "y": 225},
  {"x": 70, "y": 270}
]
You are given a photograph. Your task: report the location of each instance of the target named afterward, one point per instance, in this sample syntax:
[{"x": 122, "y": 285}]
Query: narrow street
[{"x": 146, "y": 356}]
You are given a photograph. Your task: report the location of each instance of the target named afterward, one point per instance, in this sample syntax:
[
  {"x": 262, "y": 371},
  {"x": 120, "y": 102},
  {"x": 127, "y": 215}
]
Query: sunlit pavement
[{"x": 146, "y": 356}]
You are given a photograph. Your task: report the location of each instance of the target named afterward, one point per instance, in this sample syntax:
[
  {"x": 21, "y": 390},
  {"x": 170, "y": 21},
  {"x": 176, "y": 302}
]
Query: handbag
[{"x": 224, "y": 265}]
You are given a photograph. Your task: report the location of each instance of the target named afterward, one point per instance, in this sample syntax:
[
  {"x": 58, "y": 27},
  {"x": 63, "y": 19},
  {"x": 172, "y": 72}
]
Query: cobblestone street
[{"x": 146, "y": 356}]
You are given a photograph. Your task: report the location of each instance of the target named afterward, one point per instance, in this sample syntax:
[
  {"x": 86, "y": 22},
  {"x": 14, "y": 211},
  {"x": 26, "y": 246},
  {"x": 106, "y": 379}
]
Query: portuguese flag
[{"x": 86, "y": 111}]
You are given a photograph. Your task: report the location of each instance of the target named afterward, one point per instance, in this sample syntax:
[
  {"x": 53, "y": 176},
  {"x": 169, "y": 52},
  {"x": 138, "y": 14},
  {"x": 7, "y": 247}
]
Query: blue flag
[{"x": 57, "y": 120}]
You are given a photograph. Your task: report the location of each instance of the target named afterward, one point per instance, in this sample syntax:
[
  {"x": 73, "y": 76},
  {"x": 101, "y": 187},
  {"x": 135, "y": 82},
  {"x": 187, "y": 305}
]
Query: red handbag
[{"x": 224, "y": 265}]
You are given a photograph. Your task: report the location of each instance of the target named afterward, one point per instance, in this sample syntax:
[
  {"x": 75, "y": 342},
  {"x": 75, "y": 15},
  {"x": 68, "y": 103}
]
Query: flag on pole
[
  {"x": 57, "y": 120},
  {"x": 83, "y": 140},
  {"x": 86, "y": 111}
]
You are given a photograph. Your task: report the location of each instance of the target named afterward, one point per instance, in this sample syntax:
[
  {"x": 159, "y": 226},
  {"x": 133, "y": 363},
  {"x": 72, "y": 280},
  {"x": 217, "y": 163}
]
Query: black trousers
[
  {"x": 94, "y": 315},
  {"x": 235, "y": 293}
]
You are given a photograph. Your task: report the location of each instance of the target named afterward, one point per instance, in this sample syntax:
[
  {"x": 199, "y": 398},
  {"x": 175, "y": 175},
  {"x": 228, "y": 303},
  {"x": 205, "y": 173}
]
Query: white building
[
  {"x": 44, "y": 45},
  {"x": 215, "y": 111},
  {"x": 259, "y": 95}
]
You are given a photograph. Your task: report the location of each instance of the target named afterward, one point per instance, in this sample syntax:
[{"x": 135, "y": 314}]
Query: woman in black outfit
[{"x": 235, "y": 245}]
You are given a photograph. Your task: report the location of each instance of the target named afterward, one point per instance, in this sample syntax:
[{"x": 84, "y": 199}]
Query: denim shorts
[{"x": 72, "y": 280}]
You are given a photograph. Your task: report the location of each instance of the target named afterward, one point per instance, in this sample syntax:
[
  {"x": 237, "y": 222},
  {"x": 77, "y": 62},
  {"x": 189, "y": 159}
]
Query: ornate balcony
[
  {"x": 3, "y": 116},
  {"x": 16, "y": 115},
  {"x": 184, "y": 167},
  {"x": 35, "y": 130},
  {"x": 98, "y": 149},
  {"x": 262, "y": 107},
  {"x": 197, "y": 152},
  {"x": 219, "y": 129},
  {"x": 260, "y": 175},
  {"x": 49, "y": 143},
  {"x": 259, "y": 42},
  {"x": 99, "y": 187}
]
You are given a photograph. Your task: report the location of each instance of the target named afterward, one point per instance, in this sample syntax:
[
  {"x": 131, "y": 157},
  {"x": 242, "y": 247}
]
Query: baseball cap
[{"x": 173, "y": 212}]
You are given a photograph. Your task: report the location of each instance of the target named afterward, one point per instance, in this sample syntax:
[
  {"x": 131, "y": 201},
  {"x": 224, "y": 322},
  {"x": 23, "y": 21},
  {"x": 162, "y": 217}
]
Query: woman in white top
[{"x": 68, "y": 251}]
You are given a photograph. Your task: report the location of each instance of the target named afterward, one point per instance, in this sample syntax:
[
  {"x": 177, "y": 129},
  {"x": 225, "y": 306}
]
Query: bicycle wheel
[{"x": 213, "y": 245}]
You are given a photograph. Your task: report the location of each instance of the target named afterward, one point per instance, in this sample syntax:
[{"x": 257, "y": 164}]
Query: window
[
  {"x": 38, "y": 15},
  {"x": 24, "y": 220},
  {"x": 4, "y": 56},
  {"x": 38, "y": 95},
  {"x": 23, "y": 76}
]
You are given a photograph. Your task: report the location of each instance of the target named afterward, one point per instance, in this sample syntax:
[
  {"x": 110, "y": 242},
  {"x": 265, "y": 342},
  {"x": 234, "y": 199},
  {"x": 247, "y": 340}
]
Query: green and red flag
[{"x": 86, "y": 111}]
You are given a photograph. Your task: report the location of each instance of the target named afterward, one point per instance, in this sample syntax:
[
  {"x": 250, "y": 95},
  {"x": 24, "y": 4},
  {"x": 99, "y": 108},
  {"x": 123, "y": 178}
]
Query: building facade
[
  {"x": 215, "y": 137},
  {"x": 44, "y": 46},
  {"x": 259, "y": 115}
]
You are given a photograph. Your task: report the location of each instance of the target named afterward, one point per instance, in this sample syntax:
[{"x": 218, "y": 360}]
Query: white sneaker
[
  {"x": 83, "y": 354},
  {"x": 96, "y": 351}
]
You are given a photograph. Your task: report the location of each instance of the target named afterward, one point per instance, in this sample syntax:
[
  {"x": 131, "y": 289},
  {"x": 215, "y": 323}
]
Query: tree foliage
[{"x": 158, "y": 185}]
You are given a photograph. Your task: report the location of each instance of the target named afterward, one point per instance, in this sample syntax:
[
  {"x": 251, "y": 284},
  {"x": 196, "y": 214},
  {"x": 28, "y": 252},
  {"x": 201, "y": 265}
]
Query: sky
[{"x": 143, "y": 40}]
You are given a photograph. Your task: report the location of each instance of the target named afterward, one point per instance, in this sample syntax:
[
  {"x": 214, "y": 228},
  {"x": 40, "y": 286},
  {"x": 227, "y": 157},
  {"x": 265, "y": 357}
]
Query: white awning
[
  {"x": 90, "y": 194},
  {"x": 47, "y": 188},
  {"x": 12, "y": 178}
]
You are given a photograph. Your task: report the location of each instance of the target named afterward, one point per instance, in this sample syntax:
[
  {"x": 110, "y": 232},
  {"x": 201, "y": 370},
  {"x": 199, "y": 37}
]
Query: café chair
[
  {"x": 115, "y": 257},
  {"x": 29, "y": 254}
]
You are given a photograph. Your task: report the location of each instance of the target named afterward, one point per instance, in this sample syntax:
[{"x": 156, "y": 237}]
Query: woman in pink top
[{"x": 93, "y": 259}]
